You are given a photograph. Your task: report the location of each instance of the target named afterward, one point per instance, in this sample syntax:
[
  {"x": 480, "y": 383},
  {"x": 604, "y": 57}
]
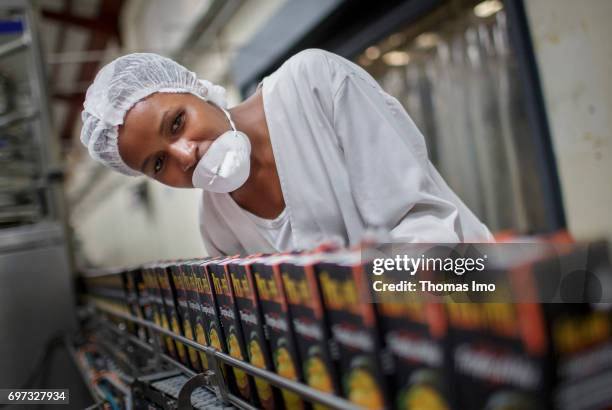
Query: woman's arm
[{"x": 392, "y": 180}]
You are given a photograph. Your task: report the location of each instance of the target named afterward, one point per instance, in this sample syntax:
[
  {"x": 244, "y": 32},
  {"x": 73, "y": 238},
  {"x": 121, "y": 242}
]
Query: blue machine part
[{"x": 11, "y": 26}]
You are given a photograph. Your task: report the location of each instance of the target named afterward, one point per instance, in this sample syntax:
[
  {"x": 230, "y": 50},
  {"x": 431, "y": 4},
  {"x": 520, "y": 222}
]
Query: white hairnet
[{"x": 119, "y": 86}]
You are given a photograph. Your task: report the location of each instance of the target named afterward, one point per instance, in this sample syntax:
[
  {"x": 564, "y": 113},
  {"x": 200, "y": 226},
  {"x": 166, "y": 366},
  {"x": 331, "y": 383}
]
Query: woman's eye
[
  {"x": 159, "y": 163},
  {"x": 176, "y": 124}
]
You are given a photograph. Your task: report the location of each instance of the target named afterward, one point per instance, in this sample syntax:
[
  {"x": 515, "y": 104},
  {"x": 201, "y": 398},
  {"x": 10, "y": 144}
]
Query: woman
[{"x": 318, "y": 152}]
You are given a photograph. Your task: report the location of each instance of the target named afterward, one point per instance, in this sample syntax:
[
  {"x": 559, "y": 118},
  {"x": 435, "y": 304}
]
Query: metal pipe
[
  {"x": 17, "y": 116},
  {"x": 14, "y": 46},
  {"x": 302, "y": 390}
]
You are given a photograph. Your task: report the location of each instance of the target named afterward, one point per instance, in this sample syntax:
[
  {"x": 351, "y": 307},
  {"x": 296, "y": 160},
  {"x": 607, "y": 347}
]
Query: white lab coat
[{"x": 349, "y": 158}]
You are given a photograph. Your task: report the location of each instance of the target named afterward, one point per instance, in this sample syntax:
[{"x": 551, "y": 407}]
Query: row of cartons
[{"x": 310, "y": 317}]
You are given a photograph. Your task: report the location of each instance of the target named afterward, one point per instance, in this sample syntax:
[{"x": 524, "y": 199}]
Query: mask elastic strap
[{"x": 229, "y": 118}]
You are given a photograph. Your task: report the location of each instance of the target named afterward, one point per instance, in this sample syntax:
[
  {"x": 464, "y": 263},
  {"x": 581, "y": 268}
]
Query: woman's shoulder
[
  {"x": 309, "y": 56},
  {"x": 312, "y": 62},
  {"x": 321, "y": 59},
  {"x": 313, "y": 68}
]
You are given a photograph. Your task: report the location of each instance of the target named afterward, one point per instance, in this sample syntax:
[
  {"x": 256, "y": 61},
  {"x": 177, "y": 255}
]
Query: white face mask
[{"x": 226, "y": 164}]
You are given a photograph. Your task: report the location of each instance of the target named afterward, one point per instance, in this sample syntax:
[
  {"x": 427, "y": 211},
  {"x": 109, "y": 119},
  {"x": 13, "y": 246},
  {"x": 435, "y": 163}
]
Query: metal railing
[{"x": 213, "y": 378}]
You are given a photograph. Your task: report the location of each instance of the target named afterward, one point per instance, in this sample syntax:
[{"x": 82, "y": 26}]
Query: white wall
[
  {"x": 115, "y": 228},
  {"x": 574, "y": 54}
]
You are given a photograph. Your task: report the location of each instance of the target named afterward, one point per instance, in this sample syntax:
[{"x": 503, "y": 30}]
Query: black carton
[
  {"x": 196, "y": 314},
  {"x": 414, "y": 334},
  {"x": 578, "y": 325},
  {"x": 133, "y": 285},
  {"x": 180, "y": 286},
  {"x": 498, "y": 345},
  {"x": 144, "y": 297},
  {"x": 541, "y": 348},
  {"x": 170, "y": 305},
  {"x": 309, "y": 322},
  {"x": 353, "y": 326},
  {"x": 230, "y": 324},
  {"x": 252, "y": 324},
  {"x": 158, "y": 309},
  {"x": 106, "y": 289},
  {"x": 212, "y": 319},
  {"x": 273, "y": 302}
]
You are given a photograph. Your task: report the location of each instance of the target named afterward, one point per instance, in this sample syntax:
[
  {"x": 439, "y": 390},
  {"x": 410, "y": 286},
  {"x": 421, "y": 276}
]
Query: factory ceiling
[{"x": 74, "y": 35}]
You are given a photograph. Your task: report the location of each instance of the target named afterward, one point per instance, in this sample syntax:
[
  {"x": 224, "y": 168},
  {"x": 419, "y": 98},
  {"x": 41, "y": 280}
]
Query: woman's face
[{"x": 165, "y": 135}]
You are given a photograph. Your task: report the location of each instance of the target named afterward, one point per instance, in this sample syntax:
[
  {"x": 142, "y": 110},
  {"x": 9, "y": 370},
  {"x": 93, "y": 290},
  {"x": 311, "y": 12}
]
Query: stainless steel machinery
[{"x": 36, "y": 298}]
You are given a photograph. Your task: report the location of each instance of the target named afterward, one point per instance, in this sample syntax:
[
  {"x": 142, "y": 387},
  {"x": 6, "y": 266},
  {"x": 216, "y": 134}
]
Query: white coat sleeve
[
  {"x": 211, "y": 248},
  {"x": 392, "y": 180}
]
